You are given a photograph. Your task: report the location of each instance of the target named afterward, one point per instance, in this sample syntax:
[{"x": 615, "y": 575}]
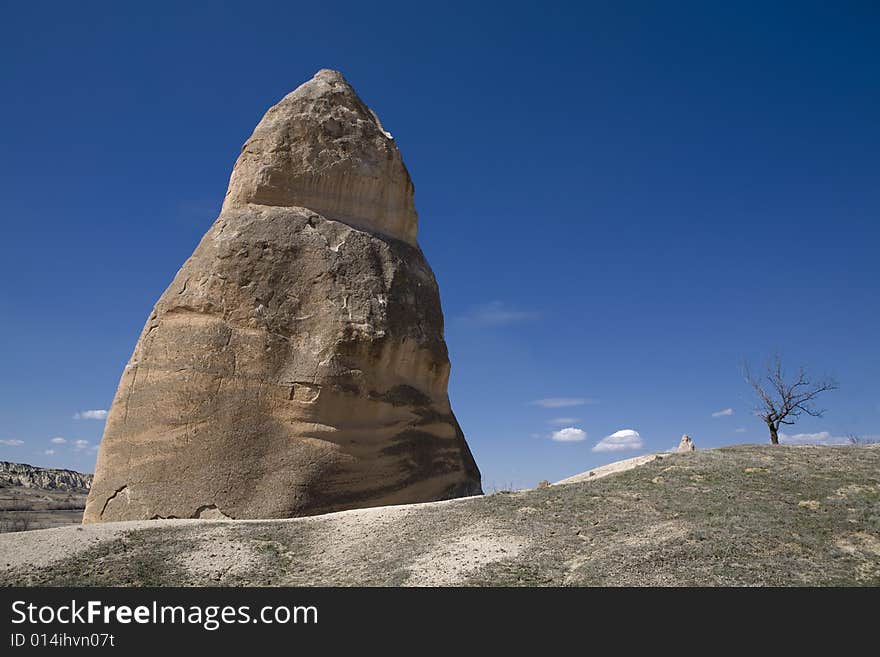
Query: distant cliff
[{"x": 30, "y": 476}]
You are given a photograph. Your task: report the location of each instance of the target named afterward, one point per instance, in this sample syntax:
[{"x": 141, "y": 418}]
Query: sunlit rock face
[
  {"x": 296, "y": 364},
  {"x": 322, "y": 148}
]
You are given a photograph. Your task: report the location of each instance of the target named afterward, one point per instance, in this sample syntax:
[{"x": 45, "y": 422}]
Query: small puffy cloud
[
  {"x": 80, "y": 444},
  {"x": 625, "y": 439},
  {"x": 739, "y": 430},
  {"x": 58, "y": 441},
  {"x": 569, "y": 435},
  {"x": 91, "y": 415},
  {"x": 49, "y": 452},
  {"x": 560, "y": 421},
  {"x": 562, "y": 402},
  {"x": 12, "y": 442},
  {"x": 496, "y": 313},
  {"x": 818, "y": 438},
  {"x": 727, "y": 412}
]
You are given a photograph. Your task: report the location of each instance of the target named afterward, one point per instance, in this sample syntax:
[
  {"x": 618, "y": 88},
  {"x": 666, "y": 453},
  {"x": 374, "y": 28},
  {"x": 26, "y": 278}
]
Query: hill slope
[{"x": 746, "y": 515}]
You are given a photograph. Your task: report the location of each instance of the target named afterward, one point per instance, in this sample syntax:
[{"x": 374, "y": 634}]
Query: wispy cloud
[
  {"x": 91, "y": 415},
  {"x": 12, "y": 442},
  {"x": 625, "y": 439},
  {"x": 562, "y": 402},
  {"x": 496, "y": 313},
  {"x": 727, "y": 412},
  {"x": 197, "y": 209},
  {"x": 58, "y": 441},
  {"x": 560, "y": 421},
  {"x": 80, "y": 444},
  {"x": 740, "y": 430},
  {"x": 818, "y": 438},
  {"x": 49, "y": 452},
  {"x": 569, "y": 435}
]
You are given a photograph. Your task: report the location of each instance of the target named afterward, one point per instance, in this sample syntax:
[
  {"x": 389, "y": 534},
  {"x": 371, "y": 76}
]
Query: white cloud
[
  {"x": 80, "y": 444},
  {"x": 740, "y": 430},
  {"x": 496, "y": 313},
  {"x": 727, "y": 412},
  {"x": 49, "y": 452},
  {"x": 59, "y": 440},
  {"x": 562, "y": 420},
  {"x": 562, "y": 402},
  {"x": 625, "y": 439},
  {"x": 818, "y": 438},
  {"x": 91, "y": 415},
  {"x": 12, "y": 442},
  {"x": 569, "y": 435}
]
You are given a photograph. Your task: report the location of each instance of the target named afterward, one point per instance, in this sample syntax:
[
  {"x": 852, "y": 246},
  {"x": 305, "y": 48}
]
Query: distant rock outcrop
[
  {"x": 30, "y": 476},
  {"x": 296, "y": 365},
  {"x": 686, "y": 444}
]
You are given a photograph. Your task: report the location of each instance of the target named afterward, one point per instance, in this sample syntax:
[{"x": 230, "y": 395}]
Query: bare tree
[
  {"x": 16, "y": 518},
  {"x": 782, "y": 401},
  {"x": 862, "y": 441}
]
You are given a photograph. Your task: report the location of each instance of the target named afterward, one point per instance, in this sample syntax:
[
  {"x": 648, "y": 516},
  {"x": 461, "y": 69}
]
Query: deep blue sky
[{"x": 621, "y": 201}]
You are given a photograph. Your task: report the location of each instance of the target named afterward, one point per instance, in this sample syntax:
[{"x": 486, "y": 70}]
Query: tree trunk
[{"x": 774, "y": 437}]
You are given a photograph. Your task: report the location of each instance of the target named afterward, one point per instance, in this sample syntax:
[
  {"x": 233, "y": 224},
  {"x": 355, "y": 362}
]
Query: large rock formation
[
  {"x": 30, "y": 476},
  {"x": 296, "y": 364}
]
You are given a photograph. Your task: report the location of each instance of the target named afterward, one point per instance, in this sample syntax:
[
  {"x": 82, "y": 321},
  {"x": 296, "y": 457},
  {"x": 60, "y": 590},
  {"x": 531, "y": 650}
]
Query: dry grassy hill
[{"x": 746, "y": 515}]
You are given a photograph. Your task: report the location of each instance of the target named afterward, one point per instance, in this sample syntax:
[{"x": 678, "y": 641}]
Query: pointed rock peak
[
  {"x": 324, "y": 82},
  {"x": 330, "y": 74},
  {"x": 322, "y": 148},
  {"x": 331, "y": 77}
]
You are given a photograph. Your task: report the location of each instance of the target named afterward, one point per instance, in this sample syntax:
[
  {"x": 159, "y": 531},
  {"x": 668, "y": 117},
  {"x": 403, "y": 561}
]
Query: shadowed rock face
[{"x": 296, "y": 364}]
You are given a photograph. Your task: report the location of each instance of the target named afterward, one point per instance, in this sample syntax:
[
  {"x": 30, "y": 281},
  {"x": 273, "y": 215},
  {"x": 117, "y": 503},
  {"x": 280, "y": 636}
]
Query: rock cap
[{"x": 323, "y": 149}]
